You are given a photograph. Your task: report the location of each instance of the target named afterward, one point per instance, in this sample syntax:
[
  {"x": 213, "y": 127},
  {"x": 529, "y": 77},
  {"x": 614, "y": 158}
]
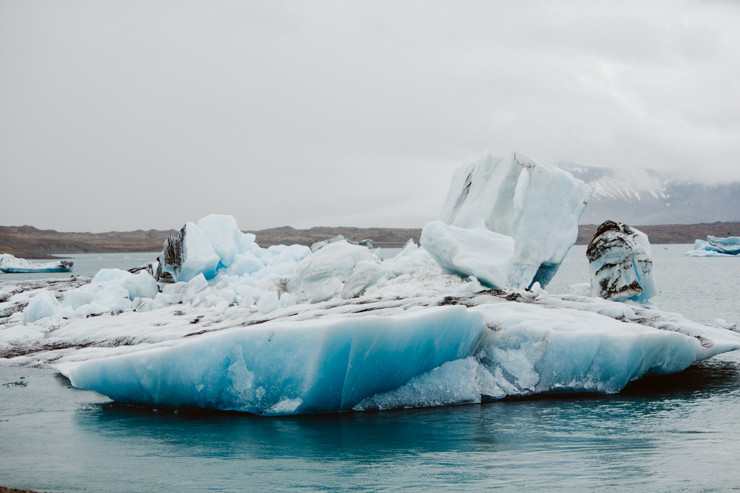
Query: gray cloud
[{"x": 125, "y": 115}]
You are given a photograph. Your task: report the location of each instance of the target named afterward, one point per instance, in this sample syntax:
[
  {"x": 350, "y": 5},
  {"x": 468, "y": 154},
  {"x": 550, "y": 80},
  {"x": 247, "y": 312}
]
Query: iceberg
[
  {"x": 729, "y": 245},
  {"x": 12, "y": 265},
  {"x": 621, "y": 263},
  {"x": 481, "y": 253},
  {"x": 370, "y": 352},
  {"x": 716, "y": 247},
  {"x": 219, "y": 322},
  {"x": 513, "y": 195}
]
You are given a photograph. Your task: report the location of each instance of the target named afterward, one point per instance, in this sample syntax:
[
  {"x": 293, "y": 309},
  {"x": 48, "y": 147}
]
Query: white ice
[
  {"x": 470, "y": 252},
  {"x": 9, "y": 263},
  {"x": 374, "y": 352},
  {"x": 538, "y": 206},
  {"x": 716, "y": 247}
]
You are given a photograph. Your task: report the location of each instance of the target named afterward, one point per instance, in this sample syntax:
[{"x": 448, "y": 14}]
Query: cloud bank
[{"x": 137, "y": 115}]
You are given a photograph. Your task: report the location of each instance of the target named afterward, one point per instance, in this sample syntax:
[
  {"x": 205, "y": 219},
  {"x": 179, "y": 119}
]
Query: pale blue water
[{"x": 671, "y": 433}]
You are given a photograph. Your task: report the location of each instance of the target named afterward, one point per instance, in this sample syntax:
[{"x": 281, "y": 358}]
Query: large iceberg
[
  {"x": 716, "y": 247},
  {"x": 219, "y": 322},
  {"x": 538, "y": 206},
  {"x": 449, "y": 341}
]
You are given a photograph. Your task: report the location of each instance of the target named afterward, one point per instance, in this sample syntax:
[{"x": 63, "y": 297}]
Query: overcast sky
[{"x": 123, "y": 115}]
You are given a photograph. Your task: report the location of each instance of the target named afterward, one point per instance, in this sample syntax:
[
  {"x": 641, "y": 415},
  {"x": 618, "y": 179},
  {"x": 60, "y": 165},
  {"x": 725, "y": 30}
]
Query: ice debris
[{"x": 621, "y": 263}]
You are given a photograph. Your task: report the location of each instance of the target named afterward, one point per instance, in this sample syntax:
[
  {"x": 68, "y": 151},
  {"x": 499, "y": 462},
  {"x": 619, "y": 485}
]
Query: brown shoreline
[
  {"x": 3, "y": 489},
  {"x": 31, "y": 243}
]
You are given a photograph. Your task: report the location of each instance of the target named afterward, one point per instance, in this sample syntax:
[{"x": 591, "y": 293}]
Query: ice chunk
[
  {"x": 336, "y": 259},
  {"x": 245, "y": 243},
  {"x": 729, "y": 245},
  {"x": 323, "y": 290},
  {"x": 186, "y": 255},
  {"x": 140, "y": 285},
  {"x": 621, "y": 263},
  {"x": 10, "y": 264},
  {"x": 44, "y": 304},
  {"x": 268, "y": 302},
  {"x": 75, "y": 298},
  {"x": 245, "y": 263},
  {"x": 364, "y": 275},
  {"x": 470, "y": 252},
  {"x": 222, "y": 232},
  {"x": 288, "y": 299},
  {"x": 196, "y": 285},
  {"x": 515, "y": 196},
  {"x": 716, "y": 247},
  {"x": 724, "y": 324},
  {"x": 321, "y": 244}
]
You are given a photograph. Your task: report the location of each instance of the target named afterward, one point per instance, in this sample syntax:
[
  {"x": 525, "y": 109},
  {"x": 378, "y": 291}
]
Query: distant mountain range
[
  {"x": 669, "y": 209},
  {"x": 641, "y": 197}
]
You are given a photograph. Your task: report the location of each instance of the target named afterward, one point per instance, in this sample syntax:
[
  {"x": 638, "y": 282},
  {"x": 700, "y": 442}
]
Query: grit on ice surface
[{"x": 219, "y": 322}]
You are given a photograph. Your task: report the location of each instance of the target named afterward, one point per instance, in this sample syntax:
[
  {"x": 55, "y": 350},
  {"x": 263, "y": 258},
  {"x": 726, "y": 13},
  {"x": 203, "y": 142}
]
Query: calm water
[{"x": 670, "y": 433}]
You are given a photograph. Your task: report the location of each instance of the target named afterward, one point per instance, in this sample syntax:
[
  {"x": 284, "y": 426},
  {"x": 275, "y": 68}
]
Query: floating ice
[
  {"x": 219, "y": 322},
  {"x": 621, "y": 263},
  {"x": 725, "y": 245},
  {"x": 384, "y": 353},
  {"x": 12, "y": 265},
  {"x": 716, "y": 247},
  {"x": 515, "y": 196}
]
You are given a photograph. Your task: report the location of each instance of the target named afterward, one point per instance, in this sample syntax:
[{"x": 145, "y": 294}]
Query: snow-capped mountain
[{"x": 642, "y": 197}]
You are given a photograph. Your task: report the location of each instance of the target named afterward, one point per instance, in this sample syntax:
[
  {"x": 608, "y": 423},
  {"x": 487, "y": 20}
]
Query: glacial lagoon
[{"x": 678, "y": 432}]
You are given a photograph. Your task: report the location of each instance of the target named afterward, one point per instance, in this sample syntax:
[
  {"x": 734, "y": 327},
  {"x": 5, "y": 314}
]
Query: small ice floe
[{"x": 11, "y": 265}]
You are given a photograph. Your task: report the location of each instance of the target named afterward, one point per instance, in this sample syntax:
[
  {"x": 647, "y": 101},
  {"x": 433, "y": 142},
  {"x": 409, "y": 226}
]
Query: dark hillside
[{"x": 29, "y": 242}]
